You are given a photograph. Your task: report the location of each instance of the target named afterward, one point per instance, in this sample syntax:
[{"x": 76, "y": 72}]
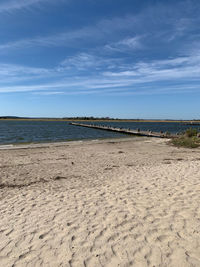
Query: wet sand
[{"x": 132, "y": 202}]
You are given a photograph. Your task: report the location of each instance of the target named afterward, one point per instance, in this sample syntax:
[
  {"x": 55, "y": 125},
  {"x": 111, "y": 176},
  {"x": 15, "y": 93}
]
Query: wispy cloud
[
  {"x": 11, "y": 73},
  {"x": 180, "y": 74},
  {"x": 132, "y": 43},
  {"x": 10, "y": 5},
  {"x": 101, "y": 68},
  {"x": 36, "y": 87},
  {"x": 118, "y": 33},
  {"x": 161, "y": 70},
  {"x": 63, "y": 39},
  {"x": 48, "y": 93},
  {"x": 81, "y": 61},
  {"x": 12, "y": 70},
  {"x": 90, "y": 35},
  {"x": 89, "y": 61}
]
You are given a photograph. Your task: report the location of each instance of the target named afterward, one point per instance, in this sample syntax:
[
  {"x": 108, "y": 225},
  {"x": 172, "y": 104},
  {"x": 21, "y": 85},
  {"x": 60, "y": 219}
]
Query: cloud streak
[
  {"x": 127, "y": 44},
  {"x": 161, "y": 77},
  {"x": 115, "y": 34},
  {"x": 109, "y": 57},
  {"x": 11, "y": 5},
  {"x": 63, "y": 39},
  {"x": 16, "y": 5}
]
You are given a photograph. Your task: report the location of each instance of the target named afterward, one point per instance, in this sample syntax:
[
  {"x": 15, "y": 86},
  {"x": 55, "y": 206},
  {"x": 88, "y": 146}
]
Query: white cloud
[
  {"x": 10, "y": 73},
  {"x": 119, "y": 33},
  {"x": 137, "y": 78},
  {"x": 161, "y": 70},
  {"x": 86, "y": 61},
  {"x": 66, "y": 38},
  {"x": 132, "y": 43},
  {"x": 10, "y": 5},
  {"x": 48, "y": 93},
  {"x": 11, "y": 70},
  {"x": 36, "y": 87},
  {"x": 81, "y": 61}
]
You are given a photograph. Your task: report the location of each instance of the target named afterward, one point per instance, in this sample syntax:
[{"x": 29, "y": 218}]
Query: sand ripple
[{"x": 104, "y": 209}]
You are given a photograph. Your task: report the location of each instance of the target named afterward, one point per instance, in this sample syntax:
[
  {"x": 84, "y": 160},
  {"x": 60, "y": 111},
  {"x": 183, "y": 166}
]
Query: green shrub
[
  {"x": 191, "y": 132},
  {"x": 188, "y": 142}
]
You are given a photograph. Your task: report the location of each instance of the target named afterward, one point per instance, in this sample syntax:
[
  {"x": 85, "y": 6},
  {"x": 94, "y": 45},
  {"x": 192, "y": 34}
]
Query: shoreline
[
  {"x": 66, "y": 143},
  {"x": 99, "y": 120}
]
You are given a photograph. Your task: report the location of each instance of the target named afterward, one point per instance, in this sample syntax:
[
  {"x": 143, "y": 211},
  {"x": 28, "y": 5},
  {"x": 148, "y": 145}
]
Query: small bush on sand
[
  {"x": 191, "y": 132},
  {"x": 188, "y": 142}
]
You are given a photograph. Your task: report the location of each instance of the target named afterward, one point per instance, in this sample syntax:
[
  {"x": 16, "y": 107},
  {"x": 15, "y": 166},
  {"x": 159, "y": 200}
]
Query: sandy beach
[{"x": 123, "y": 202}]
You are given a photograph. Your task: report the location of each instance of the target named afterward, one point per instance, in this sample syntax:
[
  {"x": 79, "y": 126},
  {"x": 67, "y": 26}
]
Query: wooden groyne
[{"x": 125, "y": 131}]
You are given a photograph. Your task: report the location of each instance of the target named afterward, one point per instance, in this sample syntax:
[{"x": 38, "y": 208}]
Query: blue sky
[{"x": 125, "y": 59}]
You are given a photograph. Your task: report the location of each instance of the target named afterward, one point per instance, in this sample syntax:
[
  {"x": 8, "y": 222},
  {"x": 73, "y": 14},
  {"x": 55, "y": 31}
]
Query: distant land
[{"x": 95, "y": 119}]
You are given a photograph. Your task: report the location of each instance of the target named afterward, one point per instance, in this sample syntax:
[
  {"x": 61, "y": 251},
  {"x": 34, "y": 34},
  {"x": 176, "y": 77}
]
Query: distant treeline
[
  {"x": 9, "y": 117},
  {"x": 65, "y": 118},
  {"x": 91, "y": 118}
]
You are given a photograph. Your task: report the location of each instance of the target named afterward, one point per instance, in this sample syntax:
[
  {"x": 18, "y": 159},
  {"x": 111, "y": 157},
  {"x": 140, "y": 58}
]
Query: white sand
[{"x": 108, "y": 203}]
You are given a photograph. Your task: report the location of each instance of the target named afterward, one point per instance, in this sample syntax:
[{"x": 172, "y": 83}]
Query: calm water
[{"x": 51, "y": 131}]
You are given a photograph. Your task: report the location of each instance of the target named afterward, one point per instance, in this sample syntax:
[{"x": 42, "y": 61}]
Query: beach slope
[{"x": 131, "y": 202}]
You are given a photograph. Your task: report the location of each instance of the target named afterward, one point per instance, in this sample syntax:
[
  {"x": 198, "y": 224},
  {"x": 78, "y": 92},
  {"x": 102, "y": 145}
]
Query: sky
[{"x": 116, "y": 58}]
